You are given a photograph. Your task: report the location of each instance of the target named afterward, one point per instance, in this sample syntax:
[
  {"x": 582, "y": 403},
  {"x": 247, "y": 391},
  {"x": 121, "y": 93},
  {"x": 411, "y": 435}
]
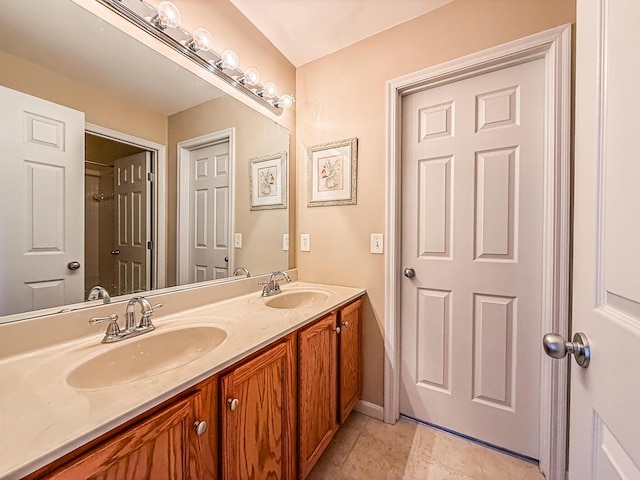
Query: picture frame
[
  {"x": 332, "y": 173},
  {"x": 268, "y": 182}
]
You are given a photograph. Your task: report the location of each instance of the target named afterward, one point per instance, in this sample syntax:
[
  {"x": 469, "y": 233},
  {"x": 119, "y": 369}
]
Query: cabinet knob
[
  {"x": 345, "y": 324},
  {"x": 200, "y": 427},
  {"x": 337, "y": 330},
  {"x": 233, "y": 403}
]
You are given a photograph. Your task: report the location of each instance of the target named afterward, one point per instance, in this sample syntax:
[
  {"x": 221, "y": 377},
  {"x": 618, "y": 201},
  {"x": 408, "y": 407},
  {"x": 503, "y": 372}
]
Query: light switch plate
[
  {"x": 377, "y": 243},
  {"x": 305, "y": 242},
  {"x": 237, "y": 240},
  {"x": 285, "y": 241}
]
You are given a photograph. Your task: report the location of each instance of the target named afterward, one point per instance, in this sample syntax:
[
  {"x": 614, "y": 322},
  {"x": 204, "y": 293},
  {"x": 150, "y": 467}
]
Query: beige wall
[
  {"x": 100, "y": 108},
  {"x": 343, "y": 95},
  {"x": 255, "y": 136}
]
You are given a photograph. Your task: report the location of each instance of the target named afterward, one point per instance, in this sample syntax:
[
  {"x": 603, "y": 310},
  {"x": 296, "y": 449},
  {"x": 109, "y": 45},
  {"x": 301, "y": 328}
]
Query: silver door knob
[
  {"x": 233, "y": 403},
  {"x": 200, "y": 427},
  {"x": 409, "y": 272},
  {"x": 73, "y": 265},
  {"x": 115, "y": 252},
  {"x": 557, "y": 347}
]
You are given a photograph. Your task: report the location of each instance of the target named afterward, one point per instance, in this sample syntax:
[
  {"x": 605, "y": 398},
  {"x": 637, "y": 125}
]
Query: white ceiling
[{"x": 304, "y": 30}]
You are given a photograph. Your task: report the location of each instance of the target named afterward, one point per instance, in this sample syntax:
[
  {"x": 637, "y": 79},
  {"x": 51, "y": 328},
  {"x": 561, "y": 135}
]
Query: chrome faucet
[
  {"x": 272, "y": 286},
  {"x": 130, "y": 314},
  {"x": 131, "y": 327},
  {"x": 99, "y": 292},
  {"x": 243, "y": 270}
]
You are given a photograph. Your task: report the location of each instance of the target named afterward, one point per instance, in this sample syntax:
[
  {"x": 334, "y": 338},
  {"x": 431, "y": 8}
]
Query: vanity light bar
[{"x": 169, "y": 32}]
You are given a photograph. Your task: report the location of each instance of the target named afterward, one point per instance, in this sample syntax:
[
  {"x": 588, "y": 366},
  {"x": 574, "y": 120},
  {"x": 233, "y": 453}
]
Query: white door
[
  {"x": 209, "y": 216},
  {"x": 604, "y": 435},
  {"x": 42, "y": 206},
  {"x": 472, "y": 203},
  {"x": 133, "y": 223}
]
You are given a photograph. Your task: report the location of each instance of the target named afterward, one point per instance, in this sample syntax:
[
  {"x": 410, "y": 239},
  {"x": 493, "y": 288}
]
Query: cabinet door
[
  {"x": 317, "y": 390},
  {"x": 350, "y": 357},
  {"x": 258, "y": 417},
  {"x": 204, "y": 447},
  {"x": 159, "y": 447}
]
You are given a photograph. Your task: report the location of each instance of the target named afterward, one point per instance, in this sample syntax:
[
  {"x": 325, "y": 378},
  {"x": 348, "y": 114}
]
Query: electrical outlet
[
  {"x": 237, "y": 240},
  {"x": 377, "y": 243},
  {"x": 285, "y": 241},
  {"x": 305, "y": 242}
]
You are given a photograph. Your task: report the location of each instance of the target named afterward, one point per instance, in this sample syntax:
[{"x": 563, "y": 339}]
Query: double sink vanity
[{"x": 226, "y": 383}]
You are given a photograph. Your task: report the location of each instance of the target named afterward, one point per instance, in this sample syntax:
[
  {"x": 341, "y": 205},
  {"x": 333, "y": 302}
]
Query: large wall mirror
[{"x": 122, "y": 169}]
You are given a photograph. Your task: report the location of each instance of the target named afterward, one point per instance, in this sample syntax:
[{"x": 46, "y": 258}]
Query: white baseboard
[{"x": 369, "y": 409}]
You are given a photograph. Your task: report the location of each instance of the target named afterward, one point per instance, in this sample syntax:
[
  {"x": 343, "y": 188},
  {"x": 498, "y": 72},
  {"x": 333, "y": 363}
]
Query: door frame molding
[
  {"x": 158, "y": 196},
  {"x": 554, "y": 46},
  {"x": 182, "y": 235}
]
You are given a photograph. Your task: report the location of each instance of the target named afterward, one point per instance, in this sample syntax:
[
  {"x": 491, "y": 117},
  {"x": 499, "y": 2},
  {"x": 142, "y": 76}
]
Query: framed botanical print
[
  {"x": 268, "y": 181},
  {"x": 332, "y": 173}
]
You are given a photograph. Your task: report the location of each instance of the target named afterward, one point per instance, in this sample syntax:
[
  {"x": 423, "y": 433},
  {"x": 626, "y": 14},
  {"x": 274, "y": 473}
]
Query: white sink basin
[
  {"x": 145, "y": 356},
  {"x": 297, "y": 299}
]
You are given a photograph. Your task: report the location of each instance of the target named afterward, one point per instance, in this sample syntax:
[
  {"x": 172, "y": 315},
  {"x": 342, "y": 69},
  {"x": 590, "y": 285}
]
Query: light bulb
[
  {"x": 228, "y": 60},
  {"x": 269, "y": 90},
  {"x": 201, "y": 40},
  {"x": 285, "y": 101},
  {"x": 251, "y": 77},
  {"x": 168, "y": 16}
]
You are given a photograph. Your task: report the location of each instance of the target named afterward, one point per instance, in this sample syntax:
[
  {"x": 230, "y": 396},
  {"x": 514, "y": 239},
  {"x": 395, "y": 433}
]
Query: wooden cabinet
[
  {"x": 317, "y": 390},
  {"x": 157, "y": 448},
  {"x": 165, "y": 444},
  {"x": 262, "y": 426},
  {"x": 329, "y": 380},
  {"x": 259, "y": 417},
  {"x": 350, "y": 320}
]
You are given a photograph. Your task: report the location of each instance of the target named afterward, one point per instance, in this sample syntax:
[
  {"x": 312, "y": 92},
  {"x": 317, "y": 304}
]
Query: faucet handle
[
  {"x": 145, "y": 320},
  {"x": 111, "y": 318},
  {"x": 113, "y": 328}
]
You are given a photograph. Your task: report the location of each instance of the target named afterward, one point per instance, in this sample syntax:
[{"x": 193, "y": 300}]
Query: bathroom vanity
[{"x": 245, "y": 387}]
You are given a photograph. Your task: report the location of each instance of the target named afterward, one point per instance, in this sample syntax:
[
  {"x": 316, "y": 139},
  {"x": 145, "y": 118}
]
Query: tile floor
[{"x": 366, "y": 449}]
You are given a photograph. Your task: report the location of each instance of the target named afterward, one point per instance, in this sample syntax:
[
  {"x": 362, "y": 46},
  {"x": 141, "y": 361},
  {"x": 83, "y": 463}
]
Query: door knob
[
  {"x": 115, "y": 252},
  {"x": 557, "y": 347},
  {"x": 200, "y": 427},
  {"x": 73, "y": 265},
  {"x": 233, "y": 403},
  {"x": 409, "y": 272}
]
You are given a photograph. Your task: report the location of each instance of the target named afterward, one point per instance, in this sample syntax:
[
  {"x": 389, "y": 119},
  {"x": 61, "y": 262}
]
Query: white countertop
[{"x": 42, "y": 418}]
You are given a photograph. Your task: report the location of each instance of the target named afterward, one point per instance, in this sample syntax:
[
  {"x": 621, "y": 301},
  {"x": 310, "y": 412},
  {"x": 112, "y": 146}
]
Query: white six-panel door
[
  {"x": 604, "y": 436},
  {"x": 42, "y": 207},
  {"x": 472, "y": 203},
  {"x": 132, "y": 222},
  {"x": 209, "y": 216}
]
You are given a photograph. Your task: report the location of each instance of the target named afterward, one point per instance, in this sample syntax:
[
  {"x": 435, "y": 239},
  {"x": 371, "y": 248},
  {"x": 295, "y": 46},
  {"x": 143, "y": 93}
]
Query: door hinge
[
  {"x": 149, "y": 245},
  {"x": 150, "y": 176}
]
